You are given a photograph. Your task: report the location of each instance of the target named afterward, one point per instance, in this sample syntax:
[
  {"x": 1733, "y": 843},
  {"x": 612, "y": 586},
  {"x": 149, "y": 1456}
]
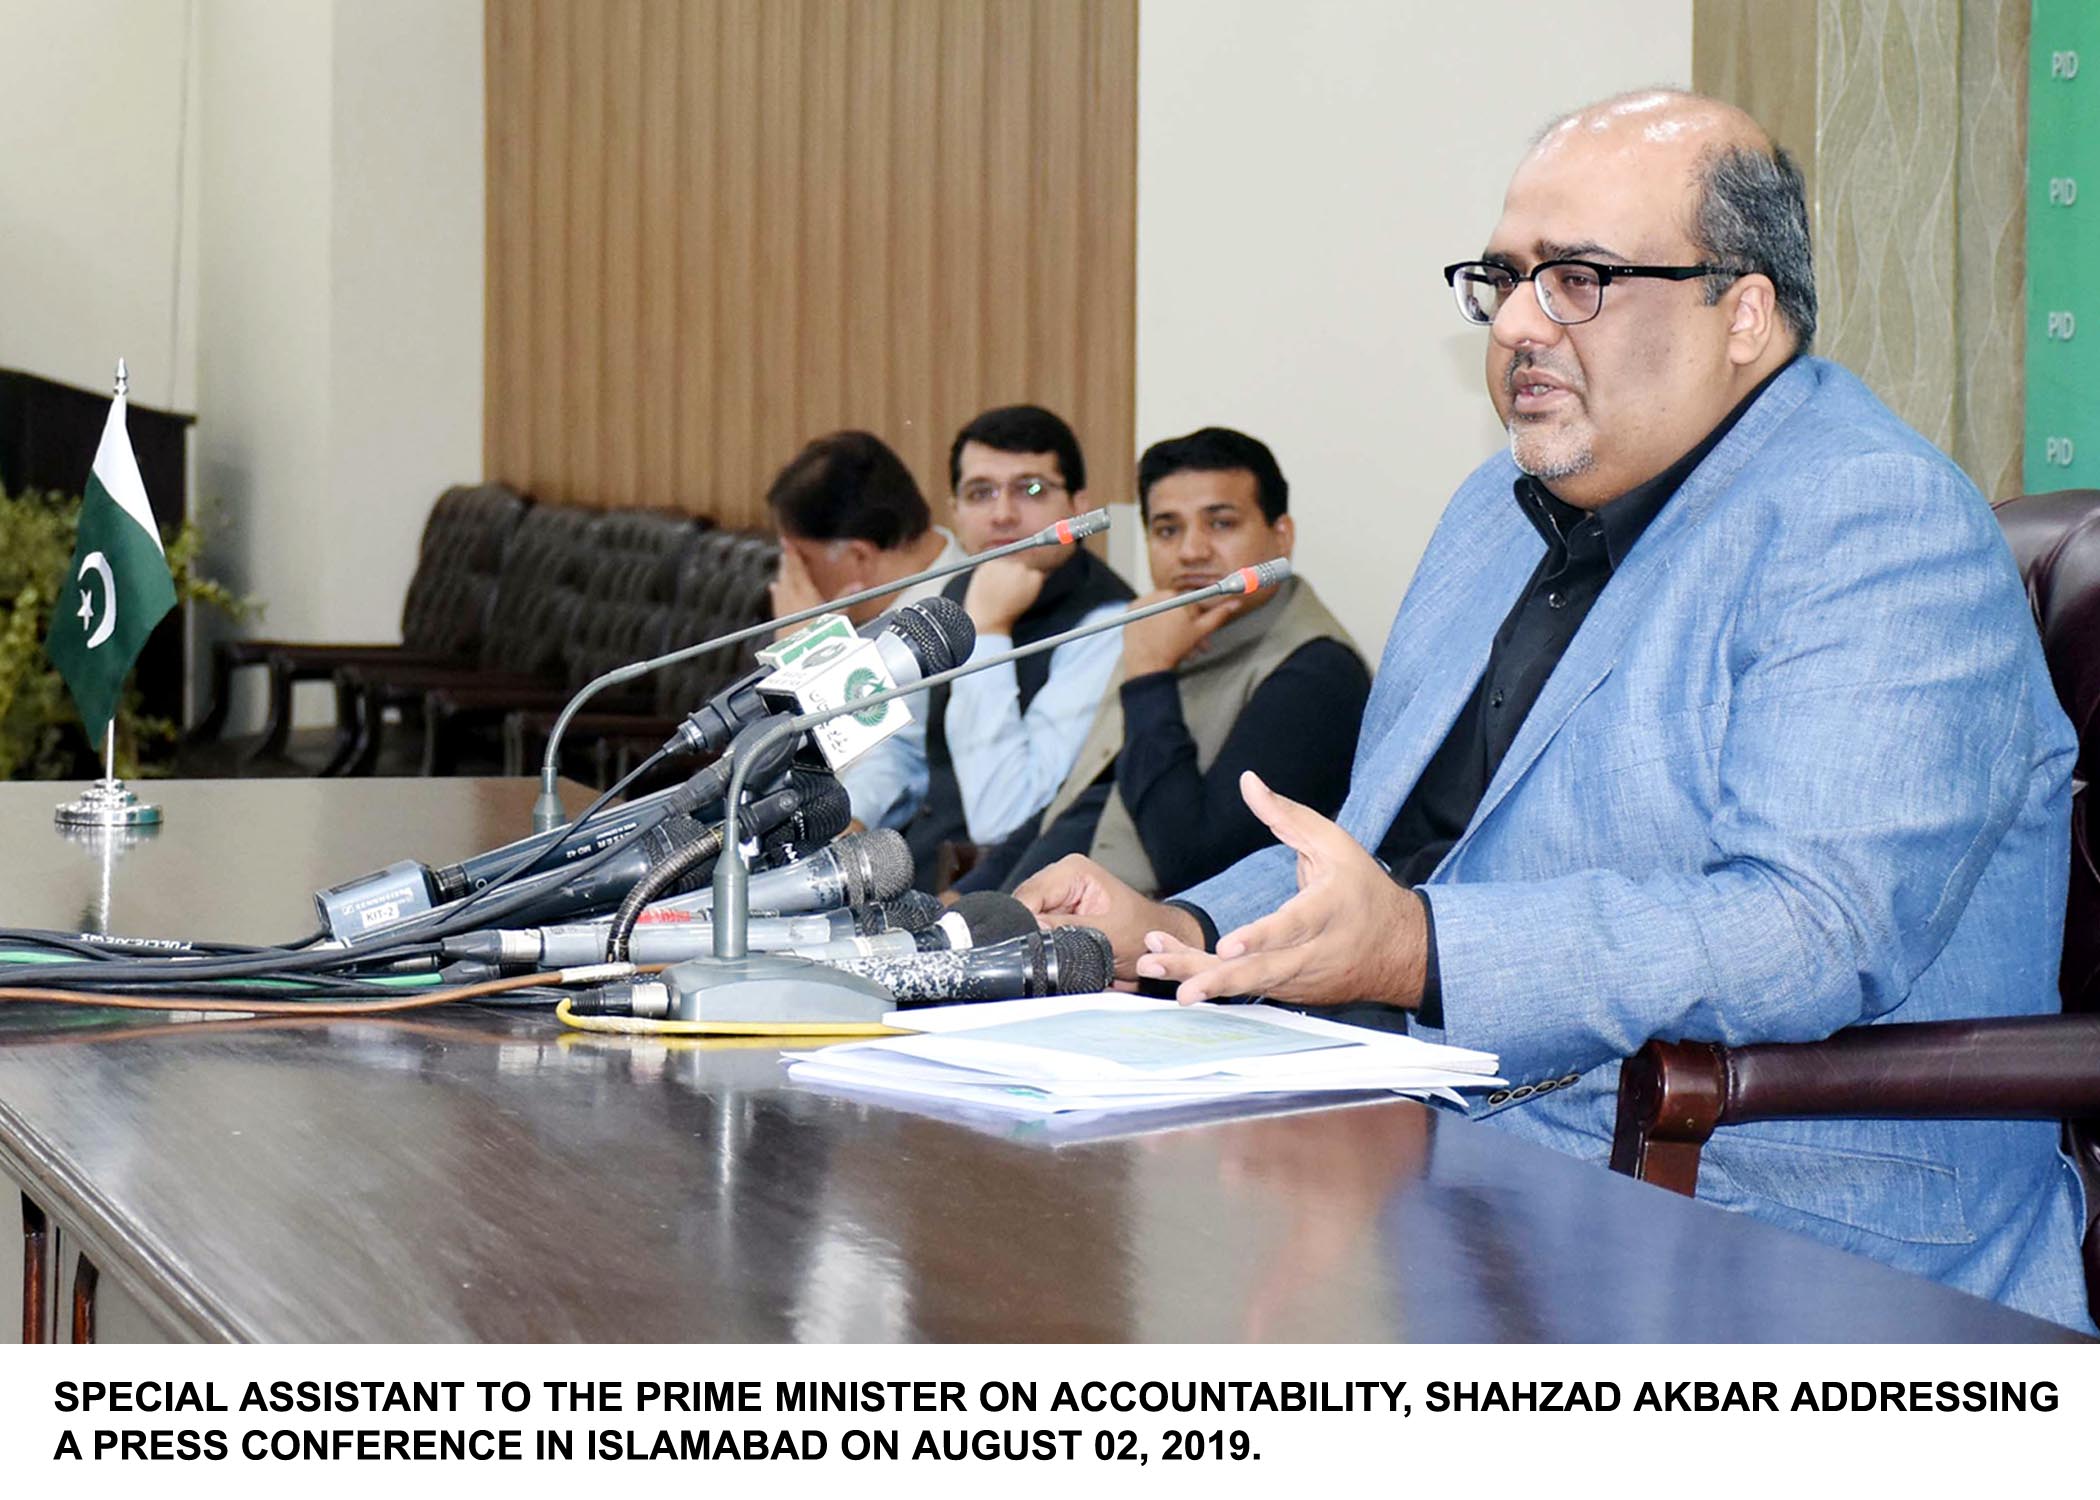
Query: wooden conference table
[{"x": 464, "y": 1174}]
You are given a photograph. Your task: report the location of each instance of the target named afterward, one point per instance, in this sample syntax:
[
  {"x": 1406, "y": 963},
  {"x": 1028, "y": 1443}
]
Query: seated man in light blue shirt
[
  {"x": 1000, "y": 742},
  {"x": 850, "y": 517}
]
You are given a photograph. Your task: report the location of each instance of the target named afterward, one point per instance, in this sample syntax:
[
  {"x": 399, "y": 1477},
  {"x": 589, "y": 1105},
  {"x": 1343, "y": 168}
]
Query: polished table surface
[{"x": 466, "y": 1174}]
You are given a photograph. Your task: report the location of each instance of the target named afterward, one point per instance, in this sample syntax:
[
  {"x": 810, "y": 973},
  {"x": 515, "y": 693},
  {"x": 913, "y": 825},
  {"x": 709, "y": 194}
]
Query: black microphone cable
[{"x": 817, "y": 811}]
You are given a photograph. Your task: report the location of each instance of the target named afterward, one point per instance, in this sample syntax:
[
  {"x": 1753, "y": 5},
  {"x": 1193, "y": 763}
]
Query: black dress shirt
[{"x": 1583, "y": 550}]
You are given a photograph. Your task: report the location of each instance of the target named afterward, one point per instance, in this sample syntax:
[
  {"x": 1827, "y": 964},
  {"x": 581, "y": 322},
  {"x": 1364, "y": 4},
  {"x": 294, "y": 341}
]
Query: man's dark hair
[
  {"x": 849, "y": 486},
  {"x": 1215, "y": 450},
  {"x": 1752, "y": 216},
  {"x": 1022, "y": 429}
]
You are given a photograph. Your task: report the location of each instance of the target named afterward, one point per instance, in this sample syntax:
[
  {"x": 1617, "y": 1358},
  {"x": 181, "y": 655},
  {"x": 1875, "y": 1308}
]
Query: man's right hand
[
  {"x": 1000, "y": 592},
  {"x": 792, "y": 590},
  {"x": 1076, "y": 892}
]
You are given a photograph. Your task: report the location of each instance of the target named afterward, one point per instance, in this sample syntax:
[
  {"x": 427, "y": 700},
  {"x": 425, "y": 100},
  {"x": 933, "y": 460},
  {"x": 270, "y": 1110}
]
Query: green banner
[{"x": 2063, "y": 247}]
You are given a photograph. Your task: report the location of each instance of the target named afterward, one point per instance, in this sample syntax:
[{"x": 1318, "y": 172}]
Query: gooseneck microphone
[
  {"x": 547, "y": 812},
  {"x": 930, "y": 636},
  {"x": 732, "y": 876},
  {"x": 737, "y": 988},
  {"x": 856, "y": 870},
  {"x": 1063, "y": 961}
]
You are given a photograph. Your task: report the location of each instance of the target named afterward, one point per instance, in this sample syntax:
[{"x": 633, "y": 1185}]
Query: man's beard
[{"x": 1546, "y": 470}]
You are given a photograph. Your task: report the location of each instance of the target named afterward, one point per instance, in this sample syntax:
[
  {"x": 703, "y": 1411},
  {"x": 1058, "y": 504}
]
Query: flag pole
[{"x": 108, "y": 803}]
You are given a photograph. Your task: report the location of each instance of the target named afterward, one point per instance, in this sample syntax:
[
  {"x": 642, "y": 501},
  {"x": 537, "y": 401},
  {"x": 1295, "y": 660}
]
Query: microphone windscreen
[
  {"x": 877, "y": 865},
  {"x": 911, "y": 911},
  {"x": 825, "y": 808},
  {"x": 939, "y": 632},
  {"x": 992, "y": 917},
  {"x": 1086, "y": 961}
]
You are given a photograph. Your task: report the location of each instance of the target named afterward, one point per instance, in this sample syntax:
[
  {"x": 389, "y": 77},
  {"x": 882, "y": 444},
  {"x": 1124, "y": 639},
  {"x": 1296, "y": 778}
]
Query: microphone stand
[
  {"x": 547, "y": 811},
  {"x": 779, "y": 987}
]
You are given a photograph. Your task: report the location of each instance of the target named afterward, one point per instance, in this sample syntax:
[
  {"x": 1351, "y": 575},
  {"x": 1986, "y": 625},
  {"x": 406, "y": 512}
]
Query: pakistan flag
[{"x": 118, "y": 586}]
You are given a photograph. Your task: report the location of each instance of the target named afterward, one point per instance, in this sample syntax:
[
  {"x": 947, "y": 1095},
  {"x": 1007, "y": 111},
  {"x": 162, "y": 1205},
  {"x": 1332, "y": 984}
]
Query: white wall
[
  {"x": 1304, "y": 172},
  {"x": 339, "y": 348},
  {"x": 322, "y": 170},
  {"x": 407, "y": 251},
  {"x": 263, "y": 433},
  {"x": 91, "y": 124}
]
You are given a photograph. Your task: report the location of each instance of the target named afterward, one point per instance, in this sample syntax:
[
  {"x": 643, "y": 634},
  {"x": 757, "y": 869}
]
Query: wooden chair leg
[
  {"x": 85, "y": 1280},
  {"x": 1671, "y": 1096},
  {"x": 36, "y": 1240}
]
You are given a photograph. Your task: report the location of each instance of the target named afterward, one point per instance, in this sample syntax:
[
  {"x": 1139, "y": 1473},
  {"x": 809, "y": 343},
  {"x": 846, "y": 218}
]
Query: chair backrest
[
  {"x": 631, "y": 588},
  {"x": 539, "y": 592},
  {"x": 721, "y": 588},
  {"x": 454, "y": 587},
  {"x": 2056, "y": 541}
]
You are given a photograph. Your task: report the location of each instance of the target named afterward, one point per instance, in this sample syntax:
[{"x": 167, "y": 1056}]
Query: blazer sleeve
[{"x": 1888, "y": 719}]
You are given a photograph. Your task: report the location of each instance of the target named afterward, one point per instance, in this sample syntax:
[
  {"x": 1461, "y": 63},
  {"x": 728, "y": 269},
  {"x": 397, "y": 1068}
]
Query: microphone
[
  {"x": 531, "y": 949},
  {"x": 731, "y": 877},
  {"x": 412, "y": 891},
  {"x": 977, "y": 920},
  {"x": 678, "y": 854},
  {"x": 930, "y": 636},
  {"x": 547, "y": 809},
  {"x": 1062, "y": 961},
  {"x": 779, "y": 989},
  {"x": 874, "y": 865}
]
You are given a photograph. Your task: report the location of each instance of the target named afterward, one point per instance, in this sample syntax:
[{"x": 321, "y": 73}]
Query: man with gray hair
[{"x": 1714, "y": 712}]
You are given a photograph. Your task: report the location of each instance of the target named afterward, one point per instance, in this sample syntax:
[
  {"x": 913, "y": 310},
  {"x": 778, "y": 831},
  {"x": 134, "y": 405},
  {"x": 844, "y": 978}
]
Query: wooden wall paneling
[
  {"x": 918, "y": 428},
  {"x": 583, "y": 369},
  {"x": 961, "y": 215},
  {"x": 821, "y": 257},
  {"x": 1108, "y": 280},
  {"x": 720, "y": 227},
  {"x": 542, "y": 469},
  {"x": 658, "y": 224},
  {"x": 1060, "y": 123},
  {"x": 740, "y": 330},
  {"x": 694, "y": 214},
  {"x": 620, "y": 346}
]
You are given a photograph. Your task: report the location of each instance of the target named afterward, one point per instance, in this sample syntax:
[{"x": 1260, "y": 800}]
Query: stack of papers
[{"x": 1124, "y": 1052}]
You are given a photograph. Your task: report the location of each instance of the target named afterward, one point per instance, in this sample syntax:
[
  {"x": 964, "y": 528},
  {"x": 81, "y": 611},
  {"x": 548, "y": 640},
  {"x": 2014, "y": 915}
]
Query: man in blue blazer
[{"x": 1714, "y": 711}]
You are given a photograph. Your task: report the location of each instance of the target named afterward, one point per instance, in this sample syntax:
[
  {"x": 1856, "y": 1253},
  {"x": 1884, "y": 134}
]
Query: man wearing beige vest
[{"x": 1270, "y": 684}]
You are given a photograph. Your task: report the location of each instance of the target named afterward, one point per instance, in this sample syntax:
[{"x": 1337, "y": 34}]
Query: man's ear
[
  {"x": 1286, "y": 534},
  {"x": 858, "y": 555},
  {"x": 1753, "y": 318}
]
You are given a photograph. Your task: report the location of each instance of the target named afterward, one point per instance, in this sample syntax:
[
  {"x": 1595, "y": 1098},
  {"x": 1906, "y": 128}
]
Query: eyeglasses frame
[{"x": 1605, "y": 274}]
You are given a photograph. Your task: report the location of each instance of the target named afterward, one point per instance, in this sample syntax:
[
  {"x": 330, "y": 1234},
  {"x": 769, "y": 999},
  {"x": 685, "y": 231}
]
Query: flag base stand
[{"x": 107, "y": 804}]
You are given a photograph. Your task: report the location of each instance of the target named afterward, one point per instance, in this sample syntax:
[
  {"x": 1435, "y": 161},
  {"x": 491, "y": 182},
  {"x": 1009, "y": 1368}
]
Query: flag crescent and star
[
  {"x": 118, "y": 586},
  {"x": 99, "y": 564}
]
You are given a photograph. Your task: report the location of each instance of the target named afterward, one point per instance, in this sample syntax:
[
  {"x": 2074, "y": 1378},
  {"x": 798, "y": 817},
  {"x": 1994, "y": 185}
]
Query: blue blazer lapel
[
  {"x": 1438, "y": 649},
  {"x": 1629, "y": 596}
]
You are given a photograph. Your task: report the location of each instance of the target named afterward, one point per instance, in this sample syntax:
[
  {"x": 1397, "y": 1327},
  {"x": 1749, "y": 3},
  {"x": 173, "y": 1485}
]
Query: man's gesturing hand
[
  {"x": 1350, "y": 933},
  {"x": 1077, "y": 892}
]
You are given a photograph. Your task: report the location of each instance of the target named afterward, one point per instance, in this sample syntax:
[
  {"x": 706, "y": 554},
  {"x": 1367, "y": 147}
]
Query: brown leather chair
[
  {"x": 722, "y": 587},
  {"x": 1674, "y": 1095},
  {"x": 539, "y": 594},
  {"x": 442, "y": 618},
  {"x": 626, "y": 612}
]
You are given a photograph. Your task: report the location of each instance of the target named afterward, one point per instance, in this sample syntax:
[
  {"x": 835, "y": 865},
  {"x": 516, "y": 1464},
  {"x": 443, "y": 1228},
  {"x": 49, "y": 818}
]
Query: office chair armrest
[{"x": 1674, "y": 1095}]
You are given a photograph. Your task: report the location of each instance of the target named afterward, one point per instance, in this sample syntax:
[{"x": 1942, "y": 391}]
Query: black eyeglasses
[{"x": 1570, "y": 291}]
